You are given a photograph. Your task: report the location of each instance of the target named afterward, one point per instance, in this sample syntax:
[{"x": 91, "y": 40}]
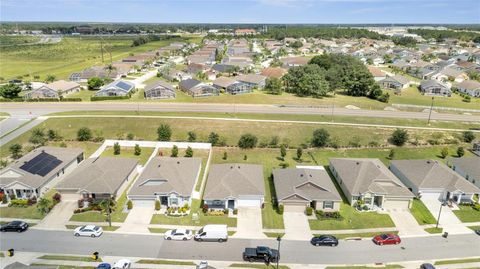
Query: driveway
[
  {"x": 406, "y": 224},
  {"x": 296, "y": 226},
  {"x": 249, "y": 223},
  {"x": 59, "y": 216},
  {"x": 137, "y": 220},
  {"x": 448, "y": 220}
]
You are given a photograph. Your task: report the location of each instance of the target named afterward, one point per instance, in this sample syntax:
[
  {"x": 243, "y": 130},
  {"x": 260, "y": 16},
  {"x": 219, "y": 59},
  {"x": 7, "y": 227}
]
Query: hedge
[{"x": 103, "y": 98}]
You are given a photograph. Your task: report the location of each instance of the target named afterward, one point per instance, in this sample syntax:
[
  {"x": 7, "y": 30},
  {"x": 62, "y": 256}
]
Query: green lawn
[
  {"x": 474, "y": 227},
  {"x": 459, "y": 261},
  {"x": 257, "y": 266},
  {"x": 170, "y": 262},
  {"x": 129, "y": 152},
  {"x": 30, "y": 212},
  {"x": 467, "y": 214},
  {"x": 421, "y": 213},
  {"x": 68, "y": 258},
  {"x": 274, "y": 235},
  {"x": 434, "y": 230},
  {"x": 91, "y": 216},
  {"x": 84, "y": 94},
  {"x": 158, "y": 230}
]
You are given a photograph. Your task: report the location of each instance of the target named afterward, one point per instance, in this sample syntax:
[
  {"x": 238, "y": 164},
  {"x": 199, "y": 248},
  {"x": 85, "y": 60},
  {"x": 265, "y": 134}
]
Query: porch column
[{"x": 459, "y": 198}]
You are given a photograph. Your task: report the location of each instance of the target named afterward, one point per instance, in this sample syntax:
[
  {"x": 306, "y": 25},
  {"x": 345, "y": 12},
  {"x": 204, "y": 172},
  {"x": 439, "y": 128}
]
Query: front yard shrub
[
  {"x": 399, "y": 137},
  {"x": 280, "y": 209},
  {"x": 205, "y": 208},
  {"x": 328, "y": 215},
  {"x": 235, "y": 211},
  {"x": 157, "y": 204},
  {"x": 216, "y": 213},
  {"x": 226, "y": 211},
  {"x": 468, "y": 136},
  {"x": 32, "y": 200},
  {"x": 129, "y": 204},
  {"x": 189, "y": 152},
  {"x": 18, "y": 203},
  {"x": 174, "y": 151},
  {"x": 116, "y": 148},
  {"x": 444, "y": 153},
  {"x": 138, "y": 150},
  {"x": 460, "y": 152},
  {"x": 309, "y": 211},
  {"x": 57, "y": 197}
]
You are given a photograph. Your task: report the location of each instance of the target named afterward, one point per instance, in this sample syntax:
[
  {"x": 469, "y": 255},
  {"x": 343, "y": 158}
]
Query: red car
[{"x": 386, "y": 239}]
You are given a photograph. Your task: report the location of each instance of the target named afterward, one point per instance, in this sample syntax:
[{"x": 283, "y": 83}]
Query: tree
[
  {"x": 50, "y": 78},
  {"x": 37, "y": 137},
  {"x": 52, "y": 135},
  {"x": 460, "y": 151},
  {"x": 299, "y": 153},
  {"x": 273, "y": 86},
  {"x": 84, "y": 134},
  {"x": 320, "y": 138},
  {"x": 106, "y": 206},
  {"x": 189, "y": 152},
  {"x": 391, "y": 154},
  {"x": 225, "y": 155},
  {"x": 296, "y": 44},
  {"x": 10, "y": 90},
  {"x": 213, "y": 138},
  {"x": 116, "y": 149},
  {"x": 43, "y": 205},
  {"x": 444, "y": 153},
  {"x": 283, "y": 151},
  {"x": 137, "y": 150},
  {"x": 399, "y": 137},
  {"x": 95, "y": 83},
  {"x": 174, "y": 151},
  {"x": 307, "y": 80},
  {"x": 15, "y": 151},
  {"x": 468, "y": 136},
  {"x": 192, "y": 136},
  {"x": 164, "y": 132},
  {"x": 247, "y": 141}
]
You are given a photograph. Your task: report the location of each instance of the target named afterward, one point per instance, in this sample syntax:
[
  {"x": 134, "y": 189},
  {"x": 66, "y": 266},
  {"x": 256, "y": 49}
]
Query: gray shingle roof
[
  {"x": 430, "y": 174},
  {"x": 158, "y": 83},
  {"x": 368, "y": 175},
  {"x": 251, "y": 78},
  {"x": 470, "y": 165},
  {"x": 65, "y": 155},
  {"x": 187, "y": 84},
  {"x": 311, "y": 184},
  {"x": 99, "y": 175},
  {"x": 165, "y": 175},
  {"x": 234, "y": 180}
]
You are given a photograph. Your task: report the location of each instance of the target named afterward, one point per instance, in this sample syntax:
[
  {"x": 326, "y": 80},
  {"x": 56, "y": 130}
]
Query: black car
[
  {"x": 477, "y": 231},
  {"x": 264, "y": 254},
  {"x": 14, "y": 226},
  {"x": 427, "y": 266},
  {"x": 324, "y": 240}
]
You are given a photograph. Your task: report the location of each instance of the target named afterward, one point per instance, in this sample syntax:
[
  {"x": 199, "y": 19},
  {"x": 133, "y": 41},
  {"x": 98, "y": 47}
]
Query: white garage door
[
  {"x": 294, "y": 208},
  {"x": 431, "y": 195},
  {"x": 249, "y": 203},
  {"x": 143, "y": 203},
  {"x": 396, "y": 204}
]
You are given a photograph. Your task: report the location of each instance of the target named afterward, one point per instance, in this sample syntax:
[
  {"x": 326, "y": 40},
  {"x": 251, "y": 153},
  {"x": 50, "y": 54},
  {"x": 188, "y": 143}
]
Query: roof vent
[
  {"x": 301, "y": 175},
  {"x": 178, "y": 162},
  {"x": 428, "y": 161},
  {"x": 231, "y": 167},
  {"x": 239, "y": 167},
  {"x": 310, "y": 175},
  {"x": 358, "y": 163}
]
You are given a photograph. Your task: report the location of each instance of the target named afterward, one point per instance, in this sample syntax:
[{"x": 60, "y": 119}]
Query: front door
[
  {"x": 164, "y": 200},
  {"x": 378, "y": 201},
  {"x": 231, "y": 204}
]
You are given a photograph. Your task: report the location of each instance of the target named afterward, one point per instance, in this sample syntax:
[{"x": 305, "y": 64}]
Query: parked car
[
  {"x": 212, "y": 232},
  {"x": 178, "y": 234},
  {"x": 324, "y": 240},
  {"x": 202, "y": 265},
  {"x": 88, "y": 230},
  {"x": 123, "y": 263},
  {"x": 264, "y": 254},
  {"x": 427, "y": 266},
  {"x": 387, "y": 239},
  {"x": 14, "y": 226},
  {"x": 477, "y": 231},
  {"x": 104, "y": 266}
]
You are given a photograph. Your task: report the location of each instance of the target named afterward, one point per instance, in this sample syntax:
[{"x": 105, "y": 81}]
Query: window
[
  {"x": 173, "y": 201},
  {"x": 328, "y": 205},
  {"x": 368, "y": 201}
]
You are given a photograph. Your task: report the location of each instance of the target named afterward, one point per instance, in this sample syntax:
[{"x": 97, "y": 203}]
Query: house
[
  {"x": 476, "y": 148},
  {"x": 434, "y": 87},
  {"x": 377, "y": 73},
  {"x": 369, "y": 180},
  {"x": 396, "y": 82},
  {"x": 224, "y": 68},
  {"x": 294, "y": 61},
  {"x": 273, "y": 72},
  {"x": 467, "y": 167},
  {"x": 297, "y": 188},
  {"x": 100, "y": 178},
  {"x": 255, "y": 81},
  {"x": 172, "y": 181},
  {"x": 234, "y": 185},
  {"x": 451, "y": 74},
  {"x": 38, "y": 171},
  {"x": 429, "y": 178},
  {"x": 223, "y": 82},
  {"x": 57, "y": 89},
  {"x": 117, "y": 88},
  {"x": 194, "y": 68},
  {"x": 159, "y": 90},
  {"x": 245, "y": 32},
  {"x": 95, "y": 71},
  {"x": 196, "y": 88},
  {"x": 470, "y": 87}
]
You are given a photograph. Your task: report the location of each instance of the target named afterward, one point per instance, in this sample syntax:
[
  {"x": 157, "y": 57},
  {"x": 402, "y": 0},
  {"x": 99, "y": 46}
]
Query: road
[{"x": 298, "y": 252}]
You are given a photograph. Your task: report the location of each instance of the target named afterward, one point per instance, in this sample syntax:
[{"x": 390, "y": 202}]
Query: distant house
[
  {"x": 169, "y": 180},
  {"x": 196, "y": 88},
  {"x": 470, "y": 87},
  {"x": 294, "y": 61},
  {"x": 369, "y": 181},
  {"x": 57, "y": 89},
  {"x": 274, "y": 72},
  {"x": 396, "y": 82},
  {"x": 38, "y": 171},
  {"x": 194, "y": 68},
  {"x": 434, "y": 87},
  {"x": 95, "y": 71},
  {"x": 223, "y": 82},
  {"x": 234, "y": 185},
  {"x": 174, "y": 75},
  {"x": 297, "y": 188},
  {"x": 467, "y": 167},
  {"x": 100, "y": 178},
  {"x": 377, "y": 73},
  {"x": 159, "y": 90},
  {"x": 224, "y": 68},
  {"x": 451, "y": 74},
  {"x": 117, "y": 88},
  {"x": 255, "y": 81},
  {"x": 240, "y": 32},
  {"x": 433, "y": 179}
]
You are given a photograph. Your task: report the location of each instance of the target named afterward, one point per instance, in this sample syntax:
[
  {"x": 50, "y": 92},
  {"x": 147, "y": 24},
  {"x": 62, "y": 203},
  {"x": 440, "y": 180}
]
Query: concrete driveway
[
  {"x": 59, "y": 216},
  {"x": 249, "y": 223},
  {"x": 448, "y": 220},
  {"x": 137, "y": 220},
  {"x": 296, "y": 226},
  {"x": 406, "y": 224}
]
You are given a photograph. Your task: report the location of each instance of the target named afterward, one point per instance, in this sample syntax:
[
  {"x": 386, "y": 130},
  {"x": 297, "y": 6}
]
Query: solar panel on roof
[
  {"x": 41, "y": 165},
  {"x": 124, "y": 86}
]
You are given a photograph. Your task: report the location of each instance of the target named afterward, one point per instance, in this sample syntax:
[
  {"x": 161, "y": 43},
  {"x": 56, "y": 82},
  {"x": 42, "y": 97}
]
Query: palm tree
[
  {"x": 43, "y": 205},
  {"x": 110, "y": 68},
  {"x": 106, "y": 205}
]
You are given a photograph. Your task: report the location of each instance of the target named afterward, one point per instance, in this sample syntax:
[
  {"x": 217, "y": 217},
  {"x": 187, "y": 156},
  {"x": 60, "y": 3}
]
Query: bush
[
  {"x": 116, "y": 149},
  {"x": 247, "y": 141},
  {"x": 235, "y": 211},
  {"x": 84, "y": 134},
  {"x": 468, "y": 136},
  {"x": 130, "y": 136},
  {"x": 205, "y": 208},
  {"x": 280, "y": 209},
  {"x": 164, "y": 132},
  {"x": 225, "y": 155},
  {"x": 192, "y": 136},
  {"x": 320, "y": 138},
  {"x": 399, "y": 137},
  {"x": 391, "y": 154},
  {"x": 32, "y": 200},
  {"x": 174, "y": 151},
  {"x": 129, "y": 204},
  {"x": 309, "y": 211},
  {"x": 57, "y": 197},
  {"x": 213, "y": 138},
  {"x": 444, "y": 153},
  {"x": 137, "y": 150},
  {"x": 284, "y": 165},
  {"x": 189, "y": 152},
  {"x": 18, "y": 203},
  {"x": 460, "y": 152},
  {"x": 103, "y": 98},
  {"x": 15, "y": 151},
  {"x": 328, "y": 215},
  {"x": 157, "y": 204}
]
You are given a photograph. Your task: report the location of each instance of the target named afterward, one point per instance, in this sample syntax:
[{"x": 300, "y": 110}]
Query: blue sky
[{"x": 243, "y": 11}]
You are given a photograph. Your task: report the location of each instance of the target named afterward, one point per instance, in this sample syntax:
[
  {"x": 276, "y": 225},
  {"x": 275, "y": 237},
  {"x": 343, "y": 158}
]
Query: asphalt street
[{"x": 299, "y": 252}]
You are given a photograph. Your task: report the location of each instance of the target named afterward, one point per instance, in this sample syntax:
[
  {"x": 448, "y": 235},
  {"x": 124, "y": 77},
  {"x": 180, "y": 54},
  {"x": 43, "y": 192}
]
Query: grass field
[
  {"x": 421, "y": 213},
  {"x": 434, "y": 230},
  {"x": 467, "y": 214},
  {"x": 68, "y": 258},
  {"x": 30, "y": 212},
  {"x": 129, "y": 152},
  {"x": 459, "y": 261}
]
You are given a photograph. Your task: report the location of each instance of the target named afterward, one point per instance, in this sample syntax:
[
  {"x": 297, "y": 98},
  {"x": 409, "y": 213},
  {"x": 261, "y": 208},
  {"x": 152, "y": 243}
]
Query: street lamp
[
  {"x": 430, "y": 114},
  {"x": 333, "y": 104},
  {"x": 278, "y": 256},
  {"x": 440, "y": 212}
]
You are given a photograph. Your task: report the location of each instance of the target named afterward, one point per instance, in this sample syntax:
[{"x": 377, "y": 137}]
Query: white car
[
  {"x": 178, "y": 234},
  {"x": 123, "y": 263},
  {"x": 88, "y": 230}
]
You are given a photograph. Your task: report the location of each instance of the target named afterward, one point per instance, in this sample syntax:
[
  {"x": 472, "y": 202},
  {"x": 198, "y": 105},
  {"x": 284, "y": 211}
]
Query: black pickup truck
[{"x": 264, "y": 254}]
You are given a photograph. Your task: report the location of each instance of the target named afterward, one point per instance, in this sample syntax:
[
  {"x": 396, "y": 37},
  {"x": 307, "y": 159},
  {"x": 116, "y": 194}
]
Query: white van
[{"x": 212, "y": 233}]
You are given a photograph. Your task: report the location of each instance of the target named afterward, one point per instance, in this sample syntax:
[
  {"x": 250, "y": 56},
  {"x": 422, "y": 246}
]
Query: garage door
[
  {"x": 143, "y": 203},
  {"x": 294, "y": 208},
  {"x": 249, "y": 203},
  {"x": 396, "y": 204},
  {"x": 431, "y": 195}
]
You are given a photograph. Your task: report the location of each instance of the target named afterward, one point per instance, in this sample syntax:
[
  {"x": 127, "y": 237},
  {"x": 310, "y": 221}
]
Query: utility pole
[
  {"x": 333, "y": 104},
  {"x": 278, "y": 257},
  {"x": 430, "y": 113},
  {"x": 439, "y": 213},
  {"x": 108, "y": 212}
]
